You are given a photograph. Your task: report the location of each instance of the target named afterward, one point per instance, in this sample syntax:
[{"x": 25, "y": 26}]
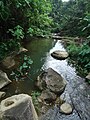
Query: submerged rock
[
  {"x": 4, "y": 80},
  {"x": 47, "y": 96},
  {"x": 66, "y": 108},
  {"x": 2, "y": 94},
  {"x": 8, "y": 62},
  {"x": 52, "y": 80},
  {"x": 18, "y": 107},
  {"x": 60, "y": 55}
]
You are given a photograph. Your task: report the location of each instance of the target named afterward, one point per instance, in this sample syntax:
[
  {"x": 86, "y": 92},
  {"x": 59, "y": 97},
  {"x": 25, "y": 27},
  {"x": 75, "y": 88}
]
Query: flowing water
[
  {"x": 76, "y": 91},
  {"x": 39, "y": 51}
]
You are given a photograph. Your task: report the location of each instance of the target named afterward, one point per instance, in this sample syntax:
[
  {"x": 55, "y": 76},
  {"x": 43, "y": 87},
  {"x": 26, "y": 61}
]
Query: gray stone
[
  {"x": 2, "y": 94},
  {"x": 8, "y": 62},
  {"x": 47, "y": 96},
  {"x": 88, "y": 76},
  {"x": 81, "y": 101},
  {"x": 55, "y": 82},
  {"x": 52, "y": 80},
  {"x": 66, "y": 108},
  {"x": 22, "y": 50},
  {"x": 61, "y": 55},
  {"x": 18, "y": 107},
  {"x": 4, "y": 80}
]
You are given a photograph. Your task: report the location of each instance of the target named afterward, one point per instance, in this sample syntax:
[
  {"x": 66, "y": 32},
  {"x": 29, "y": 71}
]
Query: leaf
[
  {"x": 25, "y": 57},
  {"x": 25, "y": 65},
  {"x": 30, "y": 61},
  {"x": 21, "y": 67}
]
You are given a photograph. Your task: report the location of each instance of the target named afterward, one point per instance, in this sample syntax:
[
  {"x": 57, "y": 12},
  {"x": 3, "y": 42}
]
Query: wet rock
[
  {"x": 81, "y": 100},
  {"x": 66, "y": 108},
  {"x": 18, "y": 107},
  {"x": 8, "y": 62},
  {"x": 88, "y": 76},
  {"x": 61, "y": 55},
  {"x": 4, "y": 80},
  {"x": 2, "y": 94},
  {"x": 22, "y": 50},
  {"x": 52, "y": 80},
  {"x": 47, "y": 96}
]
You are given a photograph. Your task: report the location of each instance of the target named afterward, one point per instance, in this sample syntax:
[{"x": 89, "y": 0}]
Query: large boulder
[
  {"x": 60, "y": 55},
  {"x": 8, "y": 62},
  {"x": 52, "y": 80},
  {"x": 4, "y": 80},
  {"x": 18, "y": 107}
]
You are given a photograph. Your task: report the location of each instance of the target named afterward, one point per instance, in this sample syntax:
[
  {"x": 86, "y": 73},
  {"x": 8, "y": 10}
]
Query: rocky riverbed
[{"x": 69, "y": 100}]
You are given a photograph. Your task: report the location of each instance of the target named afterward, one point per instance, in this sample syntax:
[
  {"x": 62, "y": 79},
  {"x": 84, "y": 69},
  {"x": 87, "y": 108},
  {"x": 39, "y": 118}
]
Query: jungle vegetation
[{"x": 20, "y": 19}]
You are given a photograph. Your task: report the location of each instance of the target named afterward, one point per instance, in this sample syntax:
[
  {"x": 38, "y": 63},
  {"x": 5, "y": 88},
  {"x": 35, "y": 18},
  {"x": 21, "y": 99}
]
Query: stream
[{"x": 39, "y": 51}]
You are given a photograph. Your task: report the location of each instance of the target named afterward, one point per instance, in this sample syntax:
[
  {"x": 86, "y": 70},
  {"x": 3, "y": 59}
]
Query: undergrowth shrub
[{"x": 81, "y": 54}]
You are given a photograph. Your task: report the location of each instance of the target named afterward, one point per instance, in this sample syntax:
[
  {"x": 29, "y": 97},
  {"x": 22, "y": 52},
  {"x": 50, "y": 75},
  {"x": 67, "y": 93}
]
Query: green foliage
[
  {"x": 86, "y": 27},
  {"x": 7, "y": 47},
  {"x": 4, "y": 11},
  {"x": 84, "y": 56},
  {"x": 73, "y": 49},
  {"x": 30, "y": 31},
  {"x": 81, "y": 54},
  {"x": 22, "y": 18},
  {"x": 35, "y": 95},
  {"x": 17, "y": 32},
  {"x": 32, "y": 15},
  {"x": 26, "y": 64},
  {"x": 70, "y": 17},
  {"x": 23, "y": 68}
]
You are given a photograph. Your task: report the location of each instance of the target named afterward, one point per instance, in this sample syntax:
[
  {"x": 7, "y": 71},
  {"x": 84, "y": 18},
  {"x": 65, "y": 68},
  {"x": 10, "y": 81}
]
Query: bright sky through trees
[{"x": 65, "y": 0}]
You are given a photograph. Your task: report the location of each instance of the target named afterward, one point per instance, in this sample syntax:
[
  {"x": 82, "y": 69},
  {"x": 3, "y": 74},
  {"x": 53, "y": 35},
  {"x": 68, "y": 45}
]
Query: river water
[
  {"x": 39, "y": 51},
  {"x": 77, "y": 92}
]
